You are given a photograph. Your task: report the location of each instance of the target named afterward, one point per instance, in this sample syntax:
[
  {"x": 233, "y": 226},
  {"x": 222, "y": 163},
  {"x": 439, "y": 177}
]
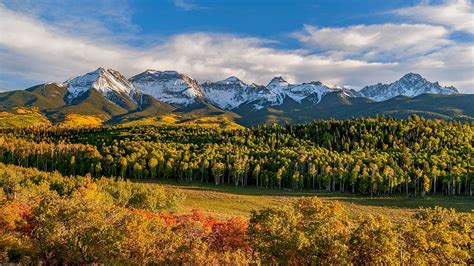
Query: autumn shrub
[
  {"x": 147, "y": 240},
  {"x": 15, "y": 232},
  {"x": 305, "y": 231},
  {"x": 83, "y": 228},
  {"x": 374, "y": 241},
  {"x": 123, "y": 192},
  {"x": 90, "y": 221},
  {"x": 141, "y": 195},
  {"x": 446, "y": 237}
]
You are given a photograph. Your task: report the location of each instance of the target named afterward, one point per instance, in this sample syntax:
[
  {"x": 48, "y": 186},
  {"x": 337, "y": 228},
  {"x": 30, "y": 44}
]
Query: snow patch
[
  {"x": 168, "y": 86},
  {"x": 105, "y": 81}
]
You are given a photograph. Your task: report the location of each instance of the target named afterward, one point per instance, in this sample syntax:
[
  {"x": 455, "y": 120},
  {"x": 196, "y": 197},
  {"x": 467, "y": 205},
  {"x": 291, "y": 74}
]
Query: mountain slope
[
  {"x": 338, "y": 105},
  {"x": 149, "y": 107},
  {"x": 106, "y": 96},
  {"x": 20, "y": 117},
  {"x": 43, "y": 97},
  {"x": 108, "y": 82},
  {"x": 410, "y": 85},
  {"x": 90, "y": 103},
  {"x": 168, "y": 86},
  {"x": 230, "y": 93}
]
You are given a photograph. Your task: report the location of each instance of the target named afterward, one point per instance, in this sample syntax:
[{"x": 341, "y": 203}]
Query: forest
[
  {"x": 381, "y": 156},
  {"x": 80, "y": 195},
  {"x": 48, "y": 218}
]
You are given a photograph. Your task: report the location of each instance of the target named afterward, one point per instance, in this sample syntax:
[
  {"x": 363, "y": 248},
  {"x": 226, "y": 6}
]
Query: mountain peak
[
  {"x": 316, "y": 83},
  {"x": 228, "y": 93},
  {"x": 277, "y": 79},
  {"x": 100, "y": 69},
  {"x": 151, "y": 71},
  {"x": 232, "y": 79},
  {"x": 170, "y": 72},
  {"x": 168, "y": 86},
  {"x": 413, "y": 77},
  {"x": 159, "y": 73},
  {"x": 103, "y": 80},
  {"x": 411, "y": 85}
]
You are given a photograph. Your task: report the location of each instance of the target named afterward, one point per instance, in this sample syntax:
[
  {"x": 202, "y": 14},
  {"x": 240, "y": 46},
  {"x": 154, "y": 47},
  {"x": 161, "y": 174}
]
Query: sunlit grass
[{"x": 228, "y": 200}]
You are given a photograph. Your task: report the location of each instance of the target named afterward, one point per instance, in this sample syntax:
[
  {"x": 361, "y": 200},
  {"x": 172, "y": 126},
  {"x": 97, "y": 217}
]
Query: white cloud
[
  {"x": 44, "y": 53},
  {"x": 49, "y": 53},
  {"x": 31, "y": 49},
  {"x": 187, "y": 5},
  {"x": 213, "y": 56},
  {"x": 455, "y": 14},
  {"x": 453, "y": 66},
  {"x": 381, "y": 41},
  {"x": 94, "y": 18}
]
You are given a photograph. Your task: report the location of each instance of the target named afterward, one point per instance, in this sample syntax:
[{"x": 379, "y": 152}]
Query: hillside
[
  {"x": 20, "y": 117},
  {"x": 339, "y": 106},
  {"x": 105, "y": 96}
]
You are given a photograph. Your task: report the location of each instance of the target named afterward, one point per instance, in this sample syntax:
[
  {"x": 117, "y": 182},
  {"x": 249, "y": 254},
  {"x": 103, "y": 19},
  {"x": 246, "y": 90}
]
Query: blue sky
[{"x": 339, "y": 42}]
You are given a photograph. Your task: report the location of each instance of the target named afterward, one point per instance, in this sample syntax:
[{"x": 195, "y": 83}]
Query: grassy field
[{"x": 227, "y": 200}]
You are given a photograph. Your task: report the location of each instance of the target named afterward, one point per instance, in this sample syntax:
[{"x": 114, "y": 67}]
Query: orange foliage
[
  {"x": 229, "y": 235},
  {"x": 219, "y": 235},
  {"x": 16, "y": 216}
]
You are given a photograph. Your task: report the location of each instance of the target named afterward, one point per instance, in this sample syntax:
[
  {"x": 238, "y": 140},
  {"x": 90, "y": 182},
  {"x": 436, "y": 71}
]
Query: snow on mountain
[
  {"x": 410, "y": 85},
  {"x": 276, "y": 89},
  {"x": 298, "y": 92},
  {"x": 280, "y": 88},
  {"x": 231, "y": 80},
  {"x": 230, "y": 93},
  {"x": 176, "y": 88},
  {"x": 105, "y": 81},
  {"x": 168, "y": 86}
]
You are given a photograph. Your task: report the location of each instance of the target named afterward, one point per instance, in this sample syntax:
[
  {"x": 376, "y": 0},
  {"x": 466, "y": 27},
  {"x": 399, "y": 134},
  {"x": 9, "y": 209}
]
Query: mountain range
[{"x": 109, "y": 96}]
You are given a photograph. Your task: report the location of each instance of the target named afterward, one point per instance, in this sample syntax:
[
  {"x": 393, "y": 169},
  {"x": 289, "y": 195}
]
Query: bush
[{"x": 306, "y": 231}]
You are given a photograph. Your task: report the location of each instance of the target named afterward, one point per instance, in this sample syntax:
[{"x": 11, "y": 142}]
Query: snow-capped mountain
[
  {"x": 168, "y": 86},
  {"x": 278, "y": 89},
  {"x": 106, "y": 81},
  {"x": 275, "y": 92},
  {"x": 410, "y": 85},
  {"x": 182, "y": 90},
  {"x": 298, "y": 92},
  {"x": 107, "y": 94},
  {"x": 230, "y": 93}
]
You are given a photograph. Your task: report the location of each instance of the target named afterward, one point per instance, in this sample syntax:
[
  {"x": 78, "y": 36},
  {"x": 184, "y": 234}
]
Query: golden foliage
[
  {"x": 21, "y": 117},
  {"x": 77, "y": 120}
]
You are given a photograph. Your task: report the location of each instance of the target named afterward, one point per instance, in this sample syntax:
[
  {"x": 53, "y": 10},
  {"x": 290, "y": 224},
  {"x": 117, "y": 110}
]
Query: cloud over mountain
[{"x": 32, "y": 49}]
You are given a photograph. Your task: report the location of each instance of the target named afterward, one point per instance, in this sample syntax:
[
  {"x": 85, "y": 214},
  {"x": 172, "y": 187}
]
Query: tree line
[{"x": 380, "y": 156}]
